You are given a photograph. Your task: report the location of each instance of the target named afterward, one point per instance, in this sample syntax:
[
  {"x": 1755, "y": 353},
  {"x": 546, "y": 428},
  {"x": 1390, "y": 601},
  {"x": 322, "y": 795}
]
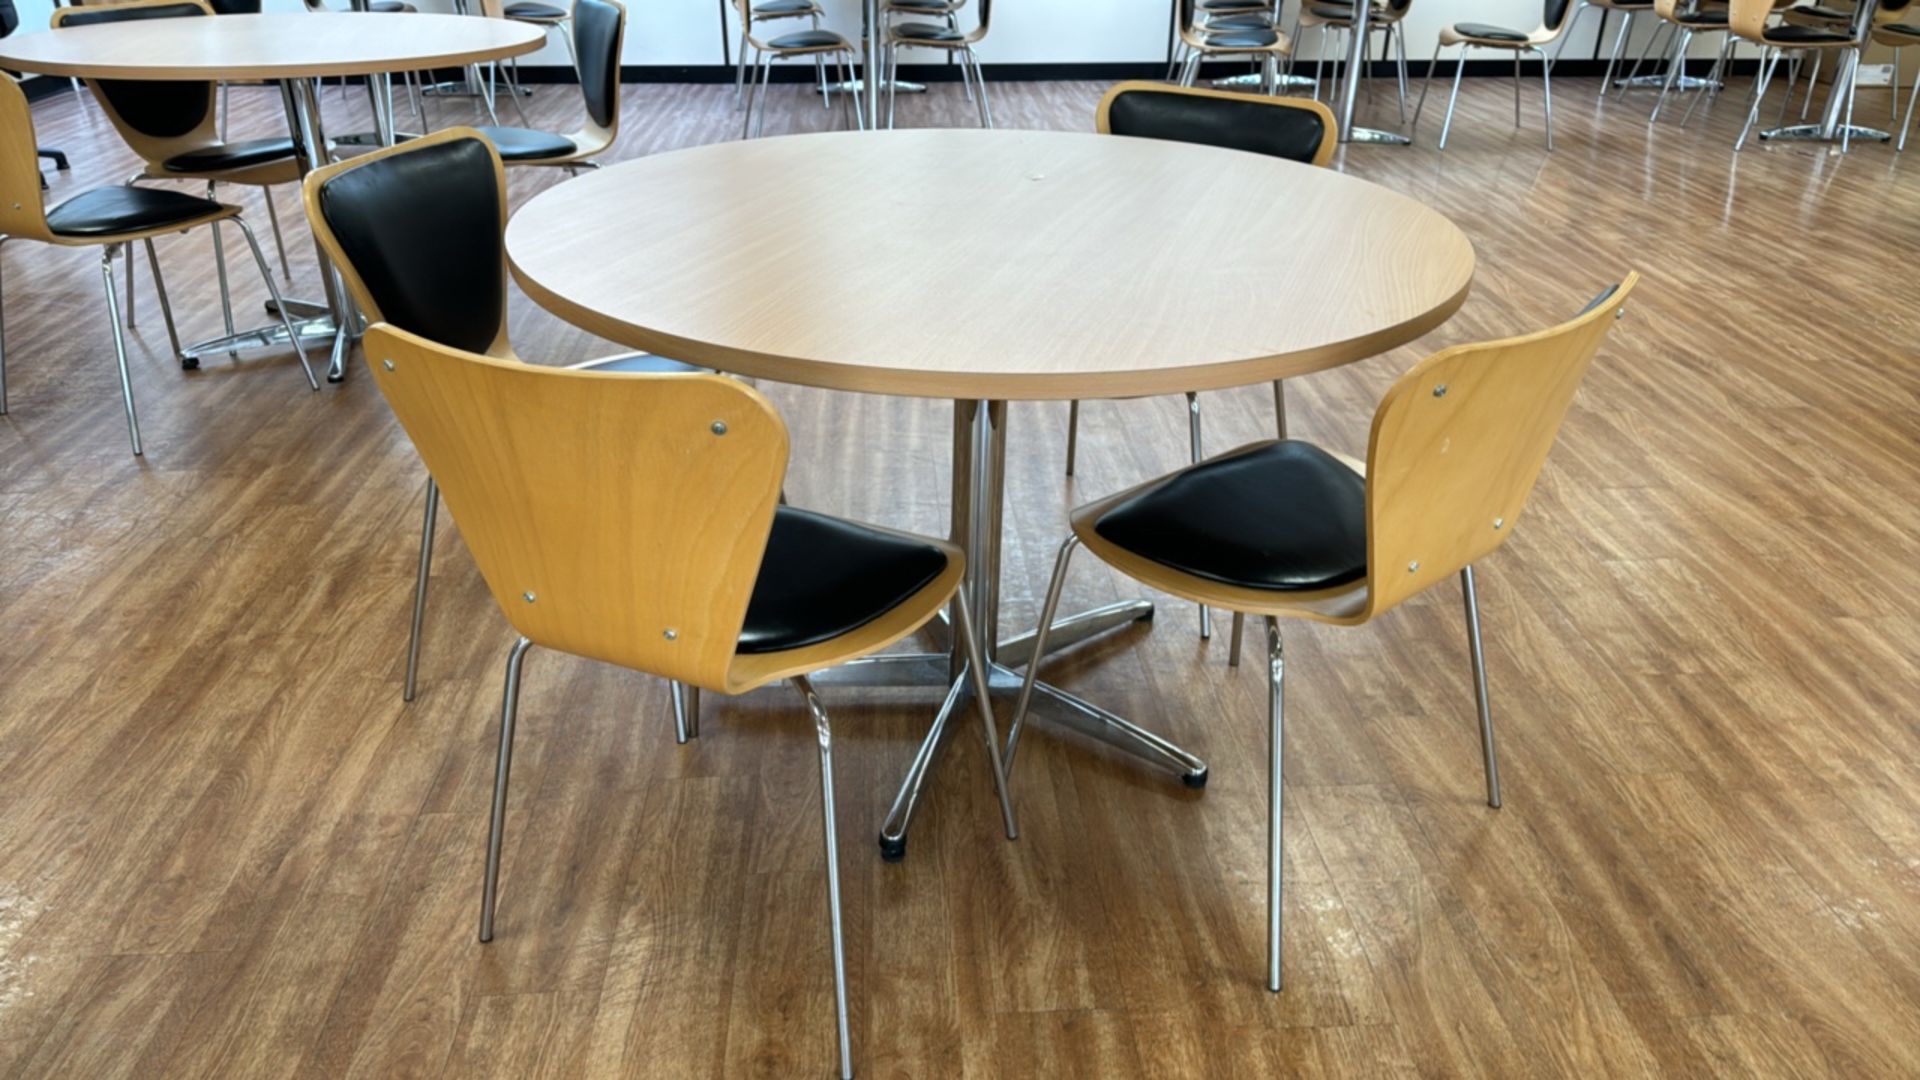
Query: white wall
[{"x": 689, "y": 32}]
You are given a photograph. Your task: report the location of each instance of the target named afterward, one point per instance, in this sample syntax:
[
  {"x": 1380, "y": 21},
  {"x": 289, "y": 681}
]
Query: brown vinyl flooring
[{"x": 228, "y": 849}]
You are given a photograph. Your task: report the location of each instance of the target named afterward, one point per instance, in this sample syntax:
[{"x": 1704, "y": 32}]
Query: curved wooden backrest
[
  {"x": 1458, "y": 442},
  {"x": 22, "y": 212},
  {"x": 417, "y": 232},
  {"x": 620, "y": 517},
  {"x": 1748, "y": 18},
  {"x": 158, "y": 118},
  {"x": 1297, "y": 129},
  {"x": 599, "y": 29}
]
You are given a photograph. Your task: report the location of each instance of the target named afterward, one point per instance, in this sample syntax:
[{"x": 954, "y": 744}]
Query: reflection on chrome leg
[{"x": 893, "y": 832}]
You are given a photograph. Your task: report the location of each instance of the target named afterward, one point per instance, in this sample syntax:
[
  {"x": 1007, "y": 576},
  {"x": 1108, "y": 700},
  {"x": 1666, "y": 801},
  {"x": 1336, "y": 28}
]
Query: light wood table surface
[
  {"x": 991, "y": 264},
  {"x": 985, "y": 266},
  {"x": 292, "y": 49}
]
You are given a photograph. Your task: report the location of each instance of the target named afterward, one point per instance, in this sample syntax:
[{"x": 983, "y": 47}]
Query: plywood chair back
[
  {"x": 1458, "y": 442},
  {"x": 599, "y": 33},
  {"x": 620, "y": 517},
  {"x": 158, "y": 118},
  {"x": 417, "y": 231},
  {"x": 22, "y": 212},
  {"x": 1297, "y": 129}
]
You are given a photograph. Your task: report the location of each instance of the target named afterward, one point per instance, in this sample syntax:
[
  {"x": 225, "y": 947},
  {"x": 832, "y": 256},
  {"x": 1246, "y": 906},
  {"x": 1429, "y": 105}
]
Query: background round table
[
  {"x": 292, "y": 49},
  {"x": 985, "y": 266}
]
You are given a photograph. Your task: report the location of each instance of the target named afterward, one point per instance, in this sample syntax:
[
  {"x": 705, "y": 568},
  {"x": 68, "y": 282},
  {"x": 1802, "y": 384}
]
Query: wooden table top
[
  {"x": 990, "y": 264},
  {"x": 284, "y": 46}
]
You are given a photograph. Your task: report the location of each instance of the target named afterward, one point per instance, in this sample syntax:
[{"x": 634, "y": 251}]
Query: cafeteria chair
[
  {"x": 598, "y": 29},
  {"x": 1388, "y": 18},
  {"x": 816, "y": 44},
  {"x": 1221, "y": 15},
  {"x": 173, "y": 127},
  {"x": 950, "y": 39},
  {"x": 1292, "y": 128},
  {"x": 635, "y": 519},
  {"x": 1751, "y": 20},
  {"x": 1897, "y": 36},
  {"x": 112, "y": 219},
  {"x": 1286, "y": 530},
  {"x": 1202, "y": 39},
  {"x": 1475, "y": 35},
  {"x": 1689, "y": 20},
  {"x": 773, "y": 11},
  {"x": 1627, "y": 9},
  {"x": 417, "y": 232}
]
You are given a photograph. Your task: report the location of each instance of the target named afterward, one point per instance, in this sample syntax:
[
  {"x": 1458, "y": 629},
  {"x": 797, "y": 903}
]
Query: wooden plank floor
[{"x": 227, "y": 848}]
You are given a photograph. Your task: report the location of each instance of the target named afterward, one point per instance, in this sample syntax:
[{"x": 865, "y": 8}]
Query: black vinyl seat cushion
[
  {"x": 389, "y": 7},
  {"x": 226, "y": 157},
  {"x": 1253, "y": 124},
  {"x": 1250, "y": 38},
  {"x": 531, "y": 9},
  {"x": 1287, "y": 517},
  {"x": 785, "y": 7},
  {"x": 916, "y": 31},
  {"x": 823, "y": 577},
  {"x": 1806, "y": 35},
  {"x": 1903, "y": 29},
  {"x": 526, "y": 144},
  {"x": 809, "y": 39},
  {"x": 108, "y": 211},
  {"x": 1819, "y": 11},
  {"x": 1487, "y": 32},
  {"x": 1714, "y": 17},
  {"x": 1250, "y": 21}
]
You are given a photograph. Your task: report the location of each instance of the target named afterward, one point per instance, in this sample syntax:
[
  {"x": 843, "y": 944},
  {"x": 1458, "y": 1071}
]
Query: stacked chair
[{"x": 948, "y": 37}]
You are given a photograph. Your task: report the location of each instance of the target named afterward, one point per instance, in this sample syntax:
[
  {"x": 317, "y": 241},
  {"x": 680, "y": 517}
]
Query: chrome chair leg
[
  {"x": 1424, "y": 87},
  {"x": 1516, "y": 89},
  {"x": 1073, "y": 431},
  {"x": 1196, "y": 454},
  {"x": 1276, "y": 858},
  {"x": 131, "y": 294},
  {"x": 820, "y": 76},
  {"x": 693, "y": 712},
  {"x": 502, "y": 767},
  {"x": 422, "y": 575},
  {"x": 679, "y": 692},
  {"x": 980, "y": 80},
  {"x": 824, "y": 731},
  {"x": 890, "y": 58},
  {"x": 740, "y": 71},
  {"x": 1280, "y": 407},
  {"x": 1233, "y": 645},
  {"x": 1399, "y": 35},
  {"x": 279, "y": 303},
  {"x": 1906, "y": 125},
  {"x": 220, "y": 274},
  {"x": 1573, "y": 24},
  {"x": 279, "y": 242},
  {"x": 1676, "y": 65},
  {"x": 766, "y": 87},
  {"x": 1613, "y": 59},
  {"x": 120, "y": 346},
  {"x": 983, "y": 693},
  {"x": 160, "y": 291},
  {"x": 1767, "y": 64},
  {"x": 1055, "y": 586},
  {"x": 3, "y": 342},
  {"x": 1546, "y": 95},
  {"x": 1446, "y": 126},
  {"x": 1472, "y": 601}
]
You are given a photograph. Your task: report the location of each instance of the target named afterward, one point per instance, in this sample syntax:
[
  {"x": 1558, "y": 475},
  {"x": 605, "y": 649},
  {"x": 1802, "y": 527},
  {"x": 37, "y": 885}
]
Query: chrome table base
[
  {"x": 1253, "y": 79},
  {"x": 899, "y": 86},
  {"x": 1819, "y": 133},
  {"x": 979, "y": 459},
  {"x": 1682, "y": 82}
]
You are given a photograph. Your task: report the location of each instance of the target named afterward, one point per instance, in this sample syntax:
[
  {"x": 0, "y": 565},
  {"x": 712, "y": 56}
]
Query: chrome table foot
[
  {"x": 1374, "y": 135},
  {"x": 893, "y": 831},
  {"x": 312, "y": 329},
  {"x": 1684, "y": 82},
  {"x": 1015, "y": 651},
  {"x": 899, "y": 86},
  {"x": 1254, "y": 79},
  {"x": 1819, "y": 133},
  {"x": 1122, "y": 734},
  {"x": 300, "y": 309}
]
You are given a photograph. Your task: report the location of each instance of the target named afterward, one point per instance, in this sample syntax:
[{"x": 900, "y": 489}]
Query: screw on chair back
[
  {"x": 619, "y": 517},
  {"x": 1293, "y": 128},
  {"x": 22, "y": 211},
  {"x": 416, "y": 231},
  {"x": 158, "y": 118},
  {"x": 1458, "y": 442}
]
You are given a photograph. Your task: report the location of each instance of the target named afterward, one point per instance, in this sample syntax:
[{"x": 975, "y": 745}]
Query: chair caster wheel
[
  {"x": 892, "y": 850},
  {"x": 189, "y": 363},
  {"x": 1194, "y": 780}
]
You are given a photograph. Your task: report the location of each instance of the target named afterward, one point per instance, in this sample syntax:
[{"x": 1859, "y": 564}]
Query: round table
[
  {"x": 293, "y": 50},
  {"x": 984, "y": 266}
]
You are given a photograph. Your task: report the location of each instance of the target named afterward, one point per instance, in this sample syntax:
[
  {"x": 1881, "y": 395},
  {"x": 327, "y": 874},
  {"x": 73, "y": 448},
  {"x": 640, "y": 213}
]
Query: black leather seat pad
[
  {"x": 1817, "y": 11},
  {"x": 228, "y": 156},
  {"x": 1256, "y": 21},
  {"x": 926, "y": 32},
  {"x": 1487, "y": 32},
  {"x": 809, "y": 39},
  {"x": 528, "y": 9},
  {"x": 1904, "y": 29},
  {"x": 1243, "y": 39},
  {"x": 1806, "y": 35},
  {"x": 1247, "y": 122},
  {"x": 1709, "y": 17},
  {"x": 1288, "y": 516},
  {"x": 822, "y": 577},
  {"x": 784, "y": 7},
  {"x": 110, "y": 210},
  {"x": 526, "y": 144}
]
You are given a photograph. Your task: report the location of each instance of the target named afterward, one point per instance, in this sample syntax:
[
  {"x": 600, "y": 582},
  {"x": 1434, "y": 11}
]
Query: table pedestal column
[{"x": 979, "y": 459}]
